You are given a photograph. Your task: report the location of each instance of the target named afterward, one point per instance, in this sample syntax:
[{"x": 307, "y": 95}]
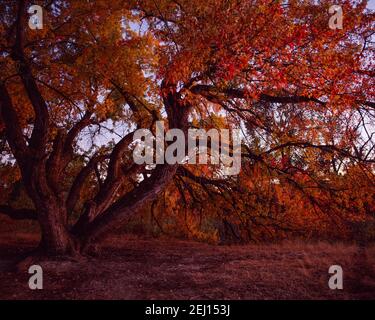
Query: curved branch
[
  {"x": 40, "y": 132},
  {"x": 323, "y": 147},
  {"x": 13, "y": 130},
  {"x": 79, "y": 181},
  {"x": 130, "y": 203},
  {"x": 201, "y": 180},
  {"x": 213, "y": 94}
]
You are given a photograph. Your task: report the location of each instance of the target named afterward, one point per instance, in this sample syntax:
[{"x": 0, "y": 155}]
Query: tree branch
[
  {"x": 213, "y": 94},
  {"x": 40, "y": 131},
  {"x": 75, "y": 190},
  {"x": 13, "y": 130}
]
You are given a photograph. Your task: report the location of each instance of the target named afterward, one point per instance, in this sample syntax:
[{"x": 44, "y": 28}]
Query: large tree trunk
[
  {"x": 56, "y": 240},
  {"x": 55, "y": 237}
]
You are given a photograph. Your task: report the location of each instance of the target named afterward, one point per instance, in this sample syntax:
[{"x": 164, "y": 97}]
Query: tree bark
[{"x": 56, "y": 239}]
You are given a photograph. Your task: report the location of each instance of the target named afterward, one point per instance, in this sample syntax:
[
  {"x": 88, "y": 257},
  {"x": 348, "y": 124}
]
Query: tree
[{"x": 71, "y": 93}]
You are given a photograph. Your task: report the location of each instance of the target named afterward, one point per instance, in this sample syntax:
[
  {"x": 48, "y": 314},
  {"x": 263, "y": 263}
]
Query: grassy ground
[{"x": 131, "y": 268}]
